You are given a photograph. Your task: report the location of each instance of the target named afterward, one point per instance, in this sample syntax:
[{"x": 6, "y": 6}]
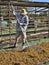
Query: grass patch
[{"x": 39, "y": 41}]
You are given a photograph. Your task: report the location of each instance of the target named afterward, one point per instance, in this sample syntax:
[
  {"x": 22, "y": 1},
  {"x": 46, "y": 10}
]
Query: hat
[{"x": 23, "y": 11}]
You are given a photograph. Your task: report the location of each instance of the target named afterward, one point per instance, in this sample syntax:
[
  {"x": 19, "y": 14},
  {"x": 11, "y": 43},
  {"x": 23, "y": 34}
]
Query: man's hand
[{"x": 21, "y": 23}]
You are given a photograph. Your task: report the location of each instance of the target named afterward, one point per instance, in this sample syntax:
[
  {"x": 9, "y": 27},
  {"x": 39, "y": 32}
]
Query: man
[{"x": 21, "y": 25}]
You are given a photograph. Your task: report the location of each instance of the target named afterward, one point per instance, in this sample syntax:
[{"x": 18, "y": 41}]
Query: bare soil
[{"x": 29, "y": 56}]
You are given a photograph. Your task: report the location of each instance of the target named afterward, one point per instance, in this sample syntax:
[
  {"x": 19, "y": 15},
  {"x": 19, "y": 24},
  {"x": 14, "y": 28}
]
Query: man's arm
[
  {"x": 26, "y": 21},
  {"x": 13, "y": 10}
]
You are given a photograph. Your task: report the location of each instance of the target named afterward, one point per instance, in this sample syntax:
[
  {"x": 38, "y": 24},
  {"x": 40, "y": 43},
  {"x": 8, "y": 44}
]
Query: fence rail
[{"x": 35, "y": 29}]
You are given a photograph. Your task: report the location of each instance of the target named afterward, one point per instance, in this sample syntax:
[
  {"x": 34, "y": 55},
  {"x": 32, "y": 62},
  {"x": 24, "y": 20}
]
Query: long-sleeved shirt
[{"x": 23, "y": 20}]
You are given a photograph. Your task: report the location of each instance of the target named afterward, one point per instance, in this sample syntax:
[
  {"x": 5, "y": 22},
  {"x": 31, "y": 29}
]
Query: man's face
[{"x": 22, "y": 14}]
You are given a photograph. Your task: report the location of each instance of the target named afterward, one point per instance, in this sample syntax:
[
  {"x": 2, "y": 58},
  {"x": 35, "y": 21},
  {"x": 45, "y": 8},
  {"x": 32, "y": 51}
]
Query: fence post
[
  {"x": 48, "y": 21},
  {"x": 9, "y": 19}
]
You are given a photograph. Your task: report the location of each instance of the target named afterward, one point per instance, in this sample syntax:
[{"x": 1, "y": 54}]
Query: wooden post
[
  {"x": 0, "y": 27},
  {"x": 9, "y": 19},
  {"x": 35, "y": 24}
]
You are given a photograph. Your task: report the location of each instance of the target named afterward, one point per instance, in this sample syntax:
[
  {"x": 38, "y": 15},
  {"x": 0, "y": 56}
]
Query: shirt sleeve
[
  {"x": 26, "y": 21},
  {"x": 17, "y": 15}
]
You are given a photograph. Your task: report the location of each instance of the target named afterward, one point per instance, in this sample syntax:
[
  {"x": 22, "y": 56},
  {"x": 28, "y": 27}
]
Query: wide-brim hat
[{"x": 23, "y": 11}]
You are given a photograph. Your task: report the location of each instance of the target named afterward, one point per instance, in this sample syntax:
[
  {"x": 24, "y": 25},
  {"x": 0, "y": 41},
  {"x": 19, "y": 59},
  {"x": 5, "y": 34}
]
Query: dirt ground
[{"x": 29, "y": 56}]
